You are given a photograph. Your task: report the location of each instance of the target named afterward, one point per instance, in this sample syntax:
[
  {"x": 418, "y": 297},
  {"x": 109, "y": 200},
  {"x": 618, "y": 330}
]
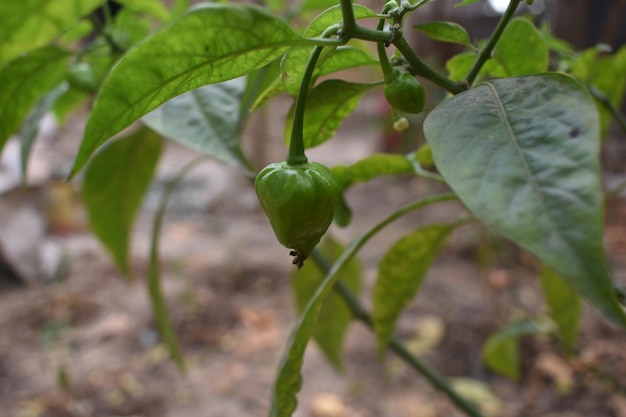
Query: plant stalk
[
  {"x": 361, "y": 314},
  {"x": 485, "y": 53}
]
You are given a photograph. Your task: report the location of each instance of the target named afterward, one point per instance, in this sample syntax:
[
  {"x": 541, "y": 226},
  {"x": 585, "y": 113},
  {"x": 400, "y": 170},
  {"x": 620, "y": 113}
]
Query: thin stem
[
  {"x": 382, "y": 55},
  {"x": 485, "y": 53},
  {"x": 361, "y": 314},
  {"x": 296, "y": 154},
  {"x": 604, "y": 100},
  {"x": 418, "y": 67}
]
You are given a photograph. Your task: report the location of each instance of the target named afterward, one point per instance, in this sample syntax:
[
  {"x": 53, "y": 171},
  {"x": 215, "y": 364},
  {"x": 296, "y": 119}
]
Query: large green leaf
[
  {"x": 400, "y": 274},
  {"x": 289, "y": 379},
  {"x": 334, "y": 317},
  {"x": 327, "y": 105},
  {"x": 205, "y": 119},
  {"x": 155, "y": 8},
  {"x": 24, "y": 81},
  {"x": 332, "y": 16},
  {"x": 114, "y": 185},
  {"x": 522, "y": 49},
  {"x": 209, "y": 44},
  {"x": 565, "y": 306},
  {"x": 522, "y": 154},
  {"x": 500, "y": 353},
  {"x": 29, "y": 24}
]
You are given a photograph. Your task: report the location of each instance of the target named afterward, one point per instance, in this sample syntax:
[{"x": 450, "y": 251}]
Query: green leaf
[
  {"x": 332, "y": 60},
  {"x": 209, "y": 44},
  {"x": 500, "y": 353},
  {"x": 113, "y": 187},
  {"x": 334, "y": 317},
  {"x": 446, "y": 32},
  {"x": 332, "y": 16},
  {"x": 24, "y": 81},
  {"x": 327, "y": 105},
  {"x": 565, "y": 306},
  {"x": 152, "y": 7},
  {"x": 289, "y": 379},
  {"x": 459, "y": 66},
  {"x": 29, "y": 24},
  {"x": 465, "y": 3},
  {"x": 30, "y": 128},
  {"x": 157, "y": 298},
  {"x": 400, "y": 274},
  {"x": 372, "y": 167},
  {"x": 205, "y": 119},
  {"x": 522, "y": 49},
  {"x": 522, "y": 154}
]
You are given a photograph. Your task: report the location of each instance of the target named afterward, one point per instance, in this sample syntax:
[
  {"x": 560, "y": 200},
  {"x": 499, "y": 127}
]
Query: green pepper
[
  {"x": 404, "y": 92},
  {"x": 299, "y": 200}
]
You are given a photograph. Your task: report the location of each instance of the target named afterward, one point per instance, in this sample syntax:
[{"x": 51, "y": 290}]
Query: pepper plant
[{"x": 516, "y": 141}]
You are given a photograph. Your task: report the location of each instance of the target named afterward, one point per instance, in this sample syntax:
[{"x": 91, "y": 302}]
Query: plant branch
[
  {"x": 418, "y": 67},
  {"x": 361, "y": 314},
  {"x": 485, "y": 53}
]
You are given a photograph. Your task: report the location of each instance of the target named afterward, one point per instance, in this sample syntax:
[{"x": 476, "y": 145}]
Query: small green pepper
[
  {"x": 299, "y": 200},
  {"x": 404, "y": 92}
]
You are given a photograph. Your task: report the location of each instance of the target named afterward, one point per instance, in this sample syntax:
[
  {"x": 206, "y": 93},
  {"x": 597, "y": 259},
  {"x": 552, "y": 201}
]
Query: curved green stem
[
  {"x": 361, "y": 314},
  {"x": 418, "y": 67},
  {"x": 485, "y": 53},
  {"x": 296, "y": 154}
]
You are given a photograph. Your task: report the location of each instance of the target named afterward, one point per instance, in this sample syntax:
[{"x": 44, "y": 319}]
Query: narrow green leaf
[
  {"x": 205, "y": 119},
  {"x": 113, "y": 187},
  {"x": 327, "y": 105},
  {"x": 333, "y": 15},
  {"x": 522, "y": 49},
  {"x": 372, "y": 167},
  {"x": 209, "y": 44},
  {"x": 289, "y": 379},
  {"x": 29, "y": 24},
  {"x": 565, "y": 306},
  {"x": 30, "y": 128},
  {"x": 24, "y": 81},
  {"x": 522, "y": 154},
  {"x": 465, "y": 3},
  {"x": 334, "y": 317},
  {"x": 332, "y": 60},
  {"x": 154, "y": 8},
  {"x": 400, "y": 275},
  {"x": 500, "y": 353},
  {"x": 446, "y": 32}
]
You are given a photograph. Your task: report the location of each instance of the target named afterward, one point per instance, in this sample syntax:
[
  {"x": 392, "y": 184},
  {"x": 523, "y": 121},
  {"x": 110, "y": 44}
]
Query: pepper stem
[
  {"x": 388, "y": 70},
  {"x": 296, "y": 154}
]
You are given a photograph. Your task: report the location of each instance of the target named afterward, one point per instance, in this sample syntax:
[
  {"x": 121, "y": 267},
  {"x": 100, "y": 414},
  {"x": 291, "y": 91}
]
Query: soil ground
[{"x": 87, "y": 346}]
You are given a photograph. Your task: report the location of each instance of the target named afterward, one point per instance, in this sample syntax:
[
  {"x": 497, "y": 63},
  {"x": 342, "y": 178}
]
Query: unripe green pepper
[
  {"x": 404, "y": 92},
  {"x": 299, "y": 200}
]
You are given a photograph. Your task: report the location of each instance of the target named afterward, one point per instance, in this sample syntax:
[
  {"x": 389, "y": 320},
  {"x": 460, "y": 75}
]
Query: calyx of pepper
[{"x": 299, "y": 201}]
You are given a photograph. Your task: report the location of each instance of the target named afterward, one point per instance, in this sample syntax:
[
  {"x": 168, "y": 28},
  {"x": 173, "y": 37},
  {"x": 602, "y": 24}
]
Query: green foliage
[
  {"x": 29, "y": 24},
  {"x": 24, "y": 81},
  {"x": 522, "y": 35},
  {"x": 334, "y": 317},
  {"x": 522, "y": 154},
  {"x": 122, "y": 169},
  {"x": 180, "y": 58},
  {"x": 400, "y": 274}
]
